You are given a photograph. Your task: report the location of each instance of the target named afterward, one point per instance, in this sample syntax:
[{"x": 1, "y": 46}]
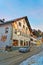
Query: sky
[{"x": 33, "y": 9}]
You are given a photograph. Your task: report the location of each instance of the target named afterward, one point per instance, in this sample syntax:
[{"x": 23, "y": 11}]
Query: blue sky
[{"x": 33, "y": 9}]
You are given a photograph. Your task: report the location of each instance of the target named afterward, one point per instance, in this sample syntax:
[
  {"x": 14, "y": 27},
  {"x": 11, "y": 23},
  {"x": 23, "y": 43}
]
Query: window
[
  {"x": 6, "y": 30},
  {"x": 26, "y": 43},
  {"x": 24, "y": 21},
  {"x": 31, "y": 39},
  {"x": 15, "y": 32},
  {"x": 23, "y": 26},
  {"x": 18, "y": 32},
  {"x": 21, "y": 43},
  {"x": 19, "y": 24},
  {"x": 26, "y": 28},
  {"x": 15, "y": 42}
]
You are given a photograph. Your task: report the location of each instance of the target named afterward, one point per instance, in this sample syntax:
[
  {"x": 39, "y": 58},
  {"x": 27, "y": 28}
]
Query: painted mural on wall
[
  {"x": 5, "y": 35},
  {"x": 3, "y": 38}
]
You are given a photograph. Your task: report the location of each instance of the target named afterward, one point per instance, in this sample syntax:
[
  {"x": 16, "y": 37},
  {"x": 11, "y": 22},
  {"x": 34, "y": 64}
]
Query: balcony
[
  {"x": 24, "y": 34},
  {"x": 19, "y": 33}
]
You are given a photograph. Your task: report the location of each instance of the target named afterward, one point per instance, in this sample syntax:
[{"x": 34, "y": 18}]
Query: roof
[
  {"x": 33, "y": 38},
  {"x": 25, "y": 17}
]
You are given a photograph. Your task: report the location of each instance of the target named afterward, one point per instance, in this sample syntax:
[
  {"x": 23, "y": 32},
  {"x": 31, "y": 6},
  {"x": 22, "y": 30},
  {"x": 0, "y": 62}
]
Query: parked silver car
[{"x": 23, "y": 50}]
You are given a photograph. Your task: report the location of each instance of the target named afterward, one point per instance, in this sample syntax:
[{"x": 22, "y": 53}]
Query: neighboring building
[
  {"x": 15, "y": 32},
  {"x": 42, "y": 39},
  {"x": 34, "y": 33}
]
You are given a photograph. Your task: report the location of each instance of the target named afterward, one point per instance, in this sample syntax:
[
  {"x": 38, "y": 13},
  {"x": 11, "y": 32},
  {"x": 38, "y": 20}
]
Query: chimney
[{"x": 2, "y": 20}]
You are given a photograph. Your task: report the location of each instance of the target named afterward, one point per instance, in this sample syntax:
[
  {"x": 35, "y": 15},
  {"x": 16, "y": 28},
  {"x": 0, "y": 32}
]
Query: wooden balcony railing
[{"x": 19, "y": 33}]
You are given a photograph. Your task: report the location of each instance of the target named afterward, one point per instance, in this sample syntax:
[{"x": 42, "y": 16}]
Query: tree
[{"x": 36, "y": 33}]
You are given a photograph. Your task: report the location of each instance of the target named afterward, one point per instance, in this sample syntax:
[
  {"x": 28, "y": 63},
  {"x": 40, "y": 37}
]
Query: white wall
[{"x": 2, "y": 33}]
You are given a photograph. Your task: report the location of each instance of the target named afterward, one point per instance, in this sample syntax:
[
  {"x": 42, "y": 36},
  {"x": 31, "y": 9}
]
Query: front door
[{"x": 15, "y": 42}]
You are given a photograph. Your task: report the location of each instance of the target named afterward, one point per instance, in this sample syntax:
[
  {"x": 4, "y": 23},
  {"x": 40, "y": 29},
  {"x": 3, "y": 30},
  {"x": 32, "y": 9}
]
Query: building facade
[{"x": 15, "y": 32}]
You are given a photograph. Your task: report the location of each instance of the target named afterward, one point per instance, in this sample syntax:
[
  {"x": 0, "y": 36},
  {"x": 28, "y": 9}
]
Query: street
[{"x": 15, "y": 57}]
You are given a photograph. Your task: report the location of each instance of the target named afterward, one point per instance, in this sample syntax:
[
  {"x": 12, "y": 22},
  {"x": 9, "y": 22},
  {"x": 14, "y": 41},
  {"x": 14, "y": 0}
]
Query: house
[
  {"x": 34, "y": 33},
  {"x": 15, "y": 32}
]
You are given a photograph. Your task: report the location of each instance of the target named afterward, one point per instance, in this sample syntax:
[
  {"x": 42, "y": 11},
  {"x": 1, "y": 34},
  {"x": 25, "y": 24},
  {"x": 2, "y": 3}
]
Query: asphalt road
[{"x": 15, "y": 57}]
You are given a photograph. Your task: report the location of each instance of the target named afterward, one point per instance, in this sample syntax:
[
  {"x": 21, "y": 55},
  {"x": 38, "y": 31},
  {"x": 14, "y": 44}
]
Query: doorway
[{"x": 15, "y": 42}]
